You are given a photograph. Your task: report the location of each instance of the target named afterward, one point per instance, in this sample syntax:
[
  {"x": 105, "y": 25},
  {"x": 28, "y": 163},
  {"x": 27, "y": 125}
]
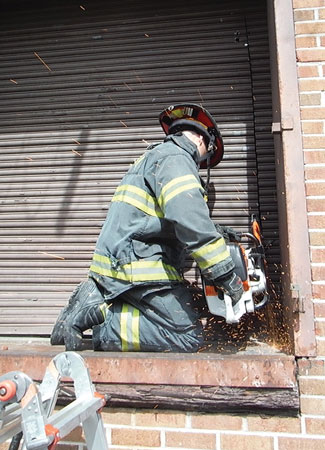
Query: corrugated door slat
[{"x": 81, "y": 88}]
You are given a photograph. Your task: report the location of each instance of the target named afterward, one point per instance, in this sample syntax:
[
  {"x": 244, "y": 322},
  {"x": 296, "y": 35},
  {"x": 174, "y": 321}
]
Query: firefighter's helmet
[{"x": 190, "y": 116}]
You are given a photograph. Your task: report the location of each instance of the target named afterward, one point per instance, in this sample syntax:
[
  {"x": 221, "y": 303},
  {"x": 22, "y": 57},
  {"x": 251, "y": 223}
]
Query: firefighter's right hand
[{"x": 232, "y": 285}]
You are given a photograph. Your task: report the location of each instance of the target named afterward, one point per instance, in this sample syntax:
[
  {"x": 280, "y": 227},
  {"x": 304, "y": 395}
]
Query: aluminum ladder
[{"x": 27, "y": 408}]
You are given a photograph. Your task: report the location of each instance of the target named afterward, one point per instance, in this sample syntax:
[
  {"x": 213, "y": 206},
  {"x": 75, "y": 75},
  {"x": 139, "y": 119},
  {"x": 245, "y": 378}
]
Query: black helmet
[{"x": 189, "y": 116}]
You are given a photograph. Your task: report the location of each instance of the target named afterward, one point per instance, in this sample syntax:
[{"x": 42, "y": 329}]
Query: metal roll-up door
[{"x": 81, "y": 88}]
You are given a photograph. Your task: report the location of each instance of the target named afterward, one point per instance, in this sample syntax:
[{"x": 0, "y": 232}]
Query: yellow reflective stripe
[
  {"x": 124, "y": 328},
  {"x": 136, "y": 329},
  {"x": 176, "y": 181},
  {"x": 130, "y": 331},
  {"x": 136, "y": 270},
  {"x": 186, "y": 183},
  {"x": 102, "y": 258},
  {"x": 181, "y": 189},
  {"x": 140, "y": 192},
  {"x": 132, "y": 201},
  {"x": 119, "y": 275},
  {"x": 211, "y": 254},
  {"x": 212, "y": 261},
  {"x": 209, "y": 248},
  {"x": 104, "y": 308},
  {"x": 144, "y": 264},
  {"x": 147, "y": 203}
]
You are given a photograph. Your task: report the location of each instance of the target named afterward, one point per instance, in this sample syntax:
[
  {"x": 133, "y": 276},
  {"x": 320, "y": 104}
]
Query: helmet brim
[{"x": 194, "y": 117}]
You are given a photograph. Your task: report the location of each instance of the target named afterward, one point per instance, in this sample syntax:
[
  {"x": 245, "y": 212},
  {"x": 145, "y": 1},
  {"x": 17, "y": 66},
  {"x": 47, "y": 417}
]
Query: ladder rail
[{"x": 32, "y": 411}]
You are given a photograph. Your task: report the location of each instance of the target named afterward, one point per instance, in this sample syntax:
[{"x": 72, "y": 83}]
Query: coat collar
[{"x": 186, "y": 144}]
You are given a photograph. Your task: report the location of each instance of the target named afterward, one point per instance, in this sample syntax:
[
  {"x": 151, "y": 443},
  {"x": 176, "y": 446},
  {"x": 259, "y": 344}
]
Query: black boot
[
  {"x": 82, "y": 289},
  {"x": 82, "y": 312},
  {"x": 89, "y": 314}
]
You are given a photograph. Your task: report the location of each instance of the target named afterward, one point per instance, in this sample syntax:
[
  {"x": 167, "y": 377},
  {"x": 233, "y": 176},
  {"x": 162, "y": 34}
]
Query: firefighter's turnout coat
[{"x": 158, "y": 215}]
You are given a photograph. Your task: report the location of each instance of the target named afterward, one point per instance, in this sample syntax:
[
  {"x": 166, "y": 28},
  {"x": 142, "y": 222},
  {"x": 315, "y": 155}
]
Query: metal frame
[{"x": 294, "y": 237}]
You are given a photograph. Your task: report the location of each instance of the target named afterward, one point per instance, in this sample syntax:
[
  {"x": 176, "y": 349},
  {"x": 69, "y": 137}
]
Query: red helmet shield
[{"x": 195, "y": 117}]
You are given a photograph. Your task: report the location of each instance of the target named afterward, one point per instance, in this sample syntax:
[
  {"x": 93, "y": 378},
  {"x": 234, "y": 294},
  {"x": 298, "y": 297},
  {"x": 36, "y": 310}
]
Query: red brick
[
  {"x": 244, "y": 442},
  {"x": 315, "y": 205},
  {"x": 304, "y": 14},
  {"x": 312, "y": 386},
  {"x": 320, "y": 329},
  {"x": 311, "y": 367},
  {"x": 319, "y": 310},
  {"x": 312, "y": 406},
  {"x": 320, "y": 350},
  {"x": 160, "y": 419},
  {"x": 318, "y": 255},
  {"x": 312, "y": 54},
  {"x": 316, "y": 188},
  {"x": 306, "y": 71},
  {"x": 314, "y": 156},
  {"x": 317, "y": 222},
  {"x": 76, "y": 435},
  {"x": 318, "y": 273},
  {"x": 315, "y": 426},
  {"x": 301, "y": 444},
  {"x": 190, "y": 440},
  {"x": 135, "y": 437},
  {"x": 310, "y": 99},
  {"x": 274, "y": 424},
  {"x": 303, "y": 70},
  {"x": 310, "y": 28},
  {"x": 306, "y": 42},
  {"x": 317, "y": 238},
  {"x": 216, "y": 422},
  {"x": 321, "y": 13},
  {"x": 312, "y": 113},
  {"x": 312, "y": 85},
  {"x": 312, "y": 128},
  {"x": 116, "y": 416},
  {"x": 314, "y": 142},
  {"x": 318, "y": 291},
  {"x": 307, "y": 3},
  {"x": 315, "y": 173}
]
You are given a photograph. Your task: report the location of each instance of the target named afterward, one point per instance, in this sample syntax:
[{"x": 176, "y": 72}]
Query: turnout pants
[{"x": 152, "y": 318}]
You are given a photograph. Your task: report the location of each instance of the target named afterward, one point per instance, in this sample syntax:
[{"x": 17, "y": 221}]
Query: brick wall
[{"x": 135, "y": 429}]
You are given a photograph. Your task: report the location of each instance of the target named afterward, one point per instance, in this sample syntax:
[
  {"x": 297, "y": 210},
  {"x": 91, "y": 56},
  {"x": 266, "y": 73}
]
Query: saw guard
[{"x": 220, "y": 304}]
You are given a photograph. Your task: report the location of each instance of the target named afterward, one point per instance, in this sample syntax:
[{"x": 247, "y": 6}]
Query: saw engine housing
[{"x": 251, "y": 268}]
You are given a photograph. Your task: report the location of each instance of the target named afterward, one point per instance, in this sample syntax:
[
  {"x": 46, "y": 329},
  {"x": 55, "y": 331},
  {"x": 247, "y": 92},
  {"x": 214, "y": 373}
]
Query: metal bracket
[
  {"x": 299, "y": 299},
  {"x": 286, "y": 124}
]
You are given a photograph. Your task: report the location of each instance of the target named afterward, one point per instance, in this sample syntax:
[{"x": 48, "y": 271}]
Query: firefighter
[{"x": 135, "y": 298}]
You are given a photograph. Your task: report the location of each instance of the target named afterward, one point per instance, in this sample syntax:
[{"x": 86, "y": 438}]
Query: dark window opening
[{"x": 81, "y": 92}]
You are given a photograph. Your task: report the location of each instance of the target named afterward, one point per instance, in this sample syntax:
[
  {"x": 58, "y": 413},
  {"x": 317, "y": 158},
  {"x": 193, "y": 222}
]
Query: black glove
[
  {"x": 228, "y": 233},
  {"x": 231, "y": 285}
]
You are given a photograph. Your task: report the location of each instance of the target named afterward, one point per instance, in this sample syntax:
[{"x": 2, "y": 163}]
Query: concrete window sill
[{"x": 259, "y": 380}]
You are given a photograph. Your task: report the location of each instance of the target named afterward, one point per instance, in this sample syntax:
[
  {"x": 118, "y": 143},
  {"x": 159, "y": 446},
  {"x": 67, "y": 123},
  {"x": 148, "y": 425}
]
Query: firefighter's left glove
[
  {"x": 228, "y": 233},
  {"x": 232, "y": 285}
]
